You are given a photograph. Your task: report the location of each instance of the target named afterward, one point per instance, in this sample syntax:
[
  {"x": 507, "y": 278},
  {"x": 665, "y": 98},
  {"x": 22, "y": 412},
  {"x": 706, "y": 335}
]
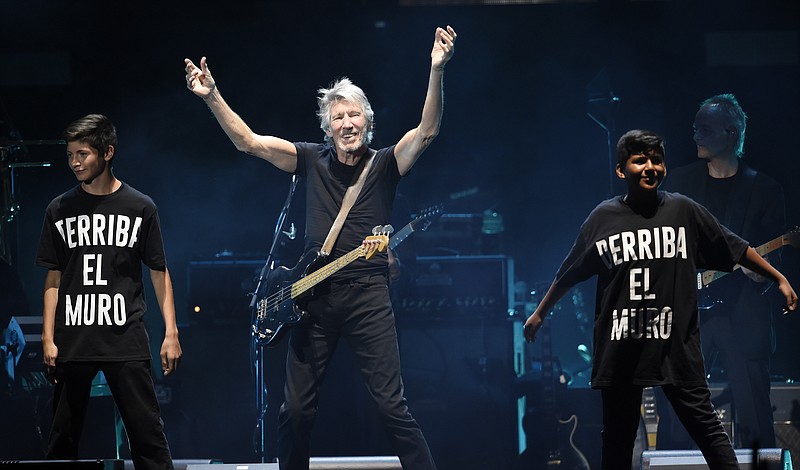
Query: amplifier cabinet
[
  {"x": 749, "y": 459},
  {"x": 785, "y": 402},
  {"x": 447, "y": 286},
  {"x": 786, "y": 413},
  {"x": 457, "y": 345},
  {"x": 88, "y": 464}
]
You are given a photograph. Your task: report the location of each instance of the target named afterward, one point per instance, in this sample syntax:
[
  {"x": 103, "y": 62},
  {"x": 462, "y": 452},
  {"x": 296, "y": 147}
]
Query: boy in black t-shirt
[
  {"x": 94, "y": 240},
  {"x": 645, "y": 248}
]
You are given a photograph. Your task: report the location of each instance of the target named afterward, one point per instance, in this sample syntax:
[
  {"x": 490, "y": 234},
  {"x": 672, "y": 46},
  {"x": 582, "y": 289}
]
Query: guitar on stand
[
  {"x": 649, "y": 416},
  {"x": 559, "y": 449}
]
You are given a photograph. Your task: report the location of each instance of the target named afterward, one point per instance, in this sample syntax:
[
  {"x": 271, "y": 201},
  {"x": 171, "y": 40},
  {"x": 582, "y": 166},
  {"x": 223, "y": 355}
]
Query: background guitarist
[
  {"x": 737, "y": 328},
  {"x": 355, "y": 304}
]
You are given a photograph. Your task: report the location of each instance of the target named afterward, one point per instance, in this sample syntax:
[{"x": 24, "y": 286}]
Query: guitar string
[
  {"x": 302, "y": 285},
  {"x": 705, "y": 278},
  {"x": 272, "y": 301},
  {"x": 275, "y": 299}
]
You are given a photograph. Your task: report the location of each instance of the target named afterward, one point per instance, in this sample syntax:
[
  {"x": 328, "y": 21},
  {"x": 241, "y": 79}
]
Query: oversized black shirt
[
  {"x": 99, "y": 244},
  {"x": 646, "y": 317}
]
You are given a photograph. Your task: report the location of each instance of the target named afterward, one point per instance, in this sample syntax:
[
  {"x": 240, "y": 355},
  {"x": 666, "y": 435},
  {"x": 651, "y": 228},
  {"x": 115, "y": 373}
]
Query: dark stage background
[{"x": 517, "y": 135}]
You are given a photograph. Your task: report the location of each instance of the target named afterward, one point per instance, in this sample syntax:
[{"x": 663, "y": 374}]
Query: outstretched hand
[
  {"x": 790, "y": 296},
  {"x": 532, "y": 326},
  {"x": 199, "y": 79},
  {"x": 443, "y": 47}
]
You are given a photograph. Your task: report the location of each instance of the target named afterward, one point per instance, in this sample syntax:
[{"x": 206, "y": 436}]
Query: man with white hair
[{"x": 354, "y": 302}]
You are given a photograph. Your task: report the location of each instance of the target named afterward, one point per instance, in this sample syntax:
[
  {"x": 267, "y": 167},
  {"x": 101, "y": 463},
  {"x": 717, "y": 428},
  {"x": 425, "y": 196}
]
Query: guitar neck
[
  {"x": 401, "y": 235},
  {"x": 707, "y": 277},
  {"x": 311, "y": 280},
  {"x": 770, "y": 246},
  {"x": 548, "y": 398}
]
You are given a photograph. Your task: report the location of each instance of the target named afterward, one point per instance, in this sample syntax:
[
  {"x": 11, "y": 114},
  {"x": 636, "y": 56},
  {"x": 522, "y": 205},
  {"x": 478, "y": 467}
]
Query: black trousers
[
  {"x": 747, "y": 374},
  {"x": 131, "y": 385},
  {"x": 358, "y": 311},
  {"x": 621, "y": 414},
  {"x": 745, "y": 365}
]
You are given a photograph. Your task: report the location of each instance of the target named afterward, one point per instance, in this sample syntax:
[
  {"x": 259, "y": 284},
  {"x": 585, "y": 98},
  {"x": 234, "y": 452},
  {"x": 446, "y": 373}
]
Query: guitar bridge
[{"x": 261, "y": 310}]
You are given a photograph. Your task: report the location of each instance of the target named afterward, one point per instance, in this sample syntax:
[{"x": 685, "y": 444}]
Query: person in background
[{"x": 735, "y": 316}]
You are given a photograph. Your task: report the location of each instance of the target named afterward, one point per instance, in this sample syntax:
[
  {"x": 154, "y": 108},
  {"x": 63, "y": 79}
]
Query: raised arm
[
  {"x": 275, "y": 150},
  {"x": 171, "y": 348},
  {"x": 415, "y": 141},
  {"x": 754, "y": 262}
]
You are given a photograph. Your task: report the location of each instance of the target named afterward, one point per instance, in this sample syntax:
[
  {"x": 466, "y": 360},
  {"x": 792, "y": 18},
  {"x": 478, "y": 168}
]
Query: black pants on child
[
  {"x": 621, "y": 414},
  {"x": 131, "y": 385}
]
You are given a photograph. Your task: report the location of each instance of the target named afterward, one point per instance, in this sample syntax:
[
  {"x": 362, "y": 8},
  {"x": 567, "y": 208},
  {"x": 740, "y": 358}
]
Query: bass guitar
[
  {"x": 706, "y": 278},
  {"x": 282, "y": 306},
  {"x": 288, "y": 289}
]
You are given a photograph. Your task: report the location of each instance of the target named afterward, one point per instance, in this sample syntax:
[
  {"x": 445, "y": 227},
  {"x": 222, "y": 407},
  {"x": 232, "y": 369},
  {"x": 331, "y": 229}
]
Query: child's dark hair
[
  {"x": 638, "y": 142},
  {"x": 94, "y": 129}
]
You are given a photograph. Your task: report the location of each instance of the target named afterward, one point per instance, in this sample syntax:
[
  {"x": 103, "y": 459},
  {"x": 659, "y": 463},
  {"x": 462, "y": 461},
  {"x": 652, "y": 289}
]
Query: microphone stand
[
  {"x": 258, "y": 349},
  {"x": 609, "y": 128}
]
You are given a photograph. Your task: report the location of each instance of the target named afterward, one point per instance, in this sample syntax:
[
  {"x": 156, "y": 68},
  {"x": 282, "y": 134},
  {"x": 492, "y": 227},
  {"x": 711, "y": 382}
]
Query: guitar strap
[{"x": 348, "y": 200}]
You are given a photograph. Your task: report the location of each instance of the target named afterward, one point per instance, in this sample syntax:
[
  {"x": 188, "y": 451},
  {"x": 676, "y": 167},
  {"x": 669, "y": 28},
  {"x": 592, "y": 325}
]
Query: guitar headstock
[
  {"x": 378, "y": 241},
  {"x": 426, "y": 217}
]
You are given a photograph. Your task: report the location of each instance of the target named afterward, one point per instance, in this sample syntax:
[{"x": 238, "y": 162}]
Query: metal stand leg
[
  {"x": 119, "y": 433},
  {"x": 261, "y": 399}
]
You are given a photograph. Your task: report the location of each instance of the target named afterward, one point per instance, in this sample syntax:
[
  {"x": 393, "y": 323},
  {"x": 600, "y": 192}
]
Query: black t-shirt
[
  {"x": 327, "y": 180},
  {"x": 99, "y": 244},
  {"x": 751, "y": 204},
  {"x": 646, "y": 321}
]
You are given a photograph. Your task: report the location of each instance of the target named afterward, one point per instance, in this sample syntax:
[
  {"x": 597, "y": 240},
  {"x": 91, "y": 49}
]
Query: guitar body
[
  {"x": 724, "y": 290},
  {"x": 288, "y": 290},
  {"x": 554, "y": 450},
  {"x": 277, "y": 311},
  {"x": 708, "y": 299}
]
